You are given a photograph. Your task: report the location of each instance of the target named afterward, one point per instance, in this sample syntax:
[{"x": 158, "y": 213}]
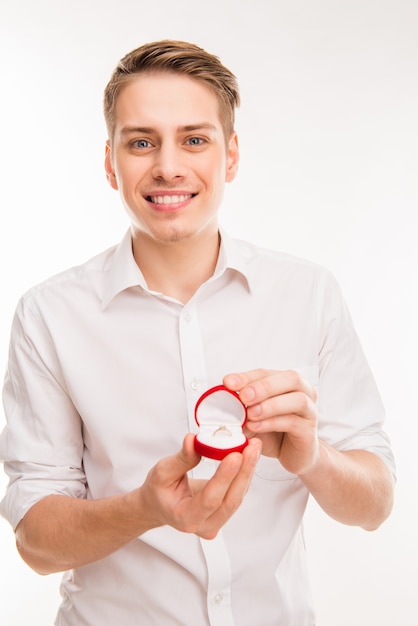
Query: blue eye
[
  {"x": 195, "y": 141},
  {"x": 141, "y": 143}
]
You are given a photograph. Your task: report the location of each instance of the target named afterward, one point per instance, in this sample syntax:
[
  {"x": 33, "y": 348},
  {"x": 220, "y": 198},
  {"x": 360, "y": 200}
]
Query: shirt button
[
  {"x": 194, "y": 384},
  {"x": 218, "y": 598},
  {"x": 187, "y": 318}
]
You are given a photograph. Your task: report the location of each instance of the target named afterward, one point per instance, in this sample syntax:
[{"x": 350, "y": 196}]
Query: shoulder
[
  {"x": 71, "y": 283},
  {"x": 266, "y": 264}
]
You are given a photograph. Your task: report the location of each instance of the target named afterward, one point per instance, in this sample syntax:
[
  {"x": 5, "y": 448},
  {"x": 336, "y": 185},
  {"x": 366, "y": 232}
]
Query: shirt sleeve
[
  {"x": 351, "y": 412},
  {"x": 41, "y": 445}
]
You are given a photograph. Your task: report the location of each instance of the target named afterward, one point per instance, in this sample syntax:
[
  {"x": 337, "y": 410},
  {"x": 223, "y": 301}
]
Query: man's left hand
[{"x": 282, "y": 413}]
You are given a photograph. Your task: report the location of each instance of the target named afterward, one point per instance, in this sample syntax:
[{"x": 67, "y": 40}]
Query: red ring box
[{"x": 220, "y": 415}]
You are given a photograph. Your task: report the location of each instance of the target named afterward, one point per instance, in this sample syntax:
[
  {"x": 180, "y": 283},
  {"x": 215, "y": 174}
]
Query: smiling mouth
[{"x": 170, "y": 199}]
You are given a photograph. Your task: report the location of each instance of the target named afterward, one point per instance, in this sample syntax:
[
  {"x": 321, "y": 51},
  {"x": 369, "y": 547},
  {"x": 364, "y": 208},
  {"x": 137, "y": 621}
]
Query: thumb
[
  {"x": 187, "y": 457},
  {"x": 173, "y": 469}
]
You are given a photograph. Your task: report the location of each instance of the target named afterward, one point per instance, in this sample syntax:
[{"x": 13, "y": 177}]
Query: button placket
[
  {"x": 192, "y": 358},
  {"x": 219, "y": 581}
]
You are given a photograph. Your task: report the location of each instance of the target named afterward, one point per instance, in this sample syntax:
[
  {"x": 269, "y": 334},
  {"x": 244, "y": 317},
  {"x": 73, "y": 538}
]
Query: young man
[{"x": 109, "y": 359}]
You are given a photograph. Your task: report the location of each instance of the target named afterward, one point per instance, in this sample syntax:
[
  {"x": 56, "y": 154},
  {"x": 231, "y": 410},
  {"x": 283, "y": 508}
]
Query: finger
[
  {"x": 295, "y": 403},
  {"x": 227, "y": 471},
  {"x": 211, "y": 496},
  {"x": 235, "y": 493},
  {"x": 235, "y": 466},
  {"x": 242, "y": 481},
  {"x": 232, "y": 478},
  {"x": 258, "y": 385},
  {"x": 293, "y": 425},
  {"x": 238, "y": 381}
]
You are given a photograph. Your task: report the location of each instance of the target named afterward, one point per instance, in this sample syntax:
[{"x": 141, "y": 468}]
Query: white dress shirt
[{"x": 103, "y": 378}]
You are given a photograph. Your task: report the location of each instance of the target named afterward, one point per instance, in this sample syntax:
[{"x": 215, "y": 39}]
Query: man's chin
[
  {"x": 173, "y": 237},
  {"x": 169, "y": 236}
]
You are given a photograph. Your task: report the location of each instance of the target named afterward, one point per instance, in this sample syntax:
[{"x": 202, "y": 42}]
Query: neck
[{"x": 176, "y": 269}]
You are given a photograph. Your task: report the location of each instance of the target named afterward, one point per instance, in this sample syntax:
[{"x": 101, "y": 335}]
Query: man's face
[{"x": 169, "y": 158}]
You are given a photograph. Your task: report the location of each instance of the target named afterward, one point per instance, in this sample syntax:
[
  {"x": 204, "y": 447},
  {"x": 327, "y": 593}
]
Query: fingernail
[
  {"x": 248, "y": 394},
  {"x": 254, "y": 411},
  {"x": 232, "y": 380}
]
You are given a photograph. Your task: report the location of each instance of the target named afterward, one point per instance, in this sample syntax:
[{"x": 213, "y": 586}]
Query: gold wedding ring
[{"x": 222, "y": 429}]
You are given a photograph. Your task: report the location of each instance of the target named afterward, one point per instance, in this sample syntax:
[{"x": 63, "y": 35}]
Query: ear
[
  {"x": 232, "y": 158},
  {"x": 110, "y": 172}
]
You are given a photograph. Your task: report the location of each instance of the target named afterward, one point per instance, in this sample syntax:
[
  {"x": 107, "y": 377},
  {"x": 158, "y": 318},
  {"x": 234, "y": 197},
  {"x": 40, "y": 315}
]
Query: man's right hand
[
  {"x": 60, "y": 532},
  {"x": 169, "y": 496}
]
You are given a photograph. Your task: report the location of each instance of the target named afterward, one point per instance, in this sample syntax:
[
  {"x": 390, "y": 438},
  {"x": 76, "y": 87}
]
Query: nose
[{"x": 169, "y": 162}]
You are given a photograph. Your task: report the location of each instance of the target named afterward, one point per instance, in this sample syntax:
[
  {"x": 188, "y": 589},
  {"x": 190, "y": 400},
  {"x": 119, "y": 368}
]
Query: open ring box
[{"x": 220, "y": 415}]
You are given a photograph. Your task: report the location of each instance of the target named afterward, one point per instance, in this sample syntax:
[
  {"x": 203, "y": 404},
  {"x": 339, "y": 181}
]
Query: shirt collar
[
  {"x": 123, "y": 272},
  {"x": 234, "y": 255}
]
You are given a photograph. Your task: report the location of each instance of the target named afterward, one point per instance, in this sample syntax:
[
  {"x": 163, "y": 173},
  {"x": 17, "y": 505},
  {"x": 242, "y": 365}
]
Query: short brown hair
[{"x": 176, "y": 57}]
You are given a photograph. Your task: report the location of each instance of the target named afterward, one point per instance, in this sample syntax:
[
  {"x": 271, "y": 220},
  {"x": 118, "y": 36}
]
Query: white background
[{"x": 329, "y": 134}]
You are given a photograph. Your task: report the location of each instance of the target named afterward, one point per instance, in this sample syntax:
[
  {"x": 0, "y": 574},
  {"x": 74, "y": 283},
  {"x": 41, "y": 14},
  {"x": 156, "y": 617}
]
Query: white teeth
[{"x": 169, "y": 199}]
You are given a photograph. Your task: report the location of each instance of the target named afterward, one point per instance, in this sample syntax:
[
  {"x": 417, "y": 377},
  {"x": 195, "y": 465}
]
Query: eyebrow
[{"x": 148, "y": 130}]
